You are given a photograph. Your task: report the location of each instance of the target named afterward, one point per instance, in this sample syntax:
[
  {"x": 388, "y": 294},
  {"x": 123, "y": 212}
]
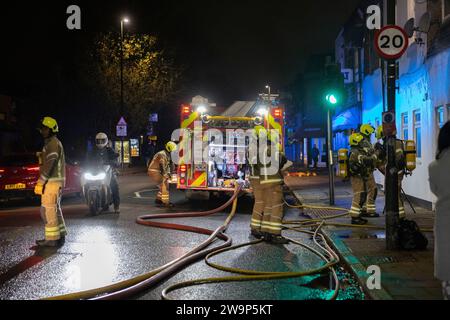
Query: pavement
[
  {"x": 110, "y": 247},
  {"x": 405, "y": 275}
]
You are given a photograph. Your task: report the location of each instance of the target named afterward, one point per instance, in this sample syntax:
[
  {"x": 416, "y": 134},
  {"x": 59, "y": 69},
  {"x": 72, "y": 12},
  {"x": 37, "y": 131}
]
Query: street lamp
[
  {"x": 122, "y": 21},
  {"x": 268, "y": 88}
]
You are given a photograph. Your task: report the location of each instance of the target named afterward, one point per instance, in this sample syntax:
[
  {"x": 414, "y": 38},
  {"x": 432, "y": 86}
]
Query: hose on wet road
[{"x": 132, "y": 287}]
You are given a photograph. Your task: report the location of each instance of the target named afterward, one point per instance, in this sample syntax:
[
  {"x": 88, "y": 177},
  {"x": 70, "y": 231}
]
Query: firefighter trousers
[
  {"x": 401, "y": 206},
  {"x": 358, "y": 196},
  {"x": 163, "y": 186},
  {"x": 267, "y": 212},
  {"x": 51, "y": 212},
  {"x": 273, "y": 208},
  {"x": 258, "y": 206},
  {"x": 371, "y": 191}
]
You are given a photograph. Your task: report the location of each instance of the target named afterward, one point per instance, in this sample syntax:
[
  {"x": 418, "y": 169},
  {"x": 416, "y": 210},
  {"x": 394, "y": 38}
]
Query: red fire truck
[{"x": 229, "y": 162}]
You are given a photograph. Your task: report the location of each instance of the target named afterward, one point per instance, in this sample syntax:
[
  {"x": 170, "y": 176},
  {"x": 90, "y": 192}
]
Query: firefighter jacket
[
  {"x": 381, "y": 153},
  {"x": 367, "y": 146},
  {"x": 52, "y": 165},
  {"x": 361, "y": 164},
  {"x": 266, "y": 173},
  {"x": 161, "y": 163}
]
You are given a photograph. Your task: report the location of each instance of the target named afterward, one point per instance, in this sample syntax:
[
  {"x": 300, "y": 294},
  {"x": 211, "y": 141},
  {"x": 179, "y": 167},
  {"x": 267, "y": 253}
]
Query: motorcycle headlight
[{"x": 91, "y": 177}]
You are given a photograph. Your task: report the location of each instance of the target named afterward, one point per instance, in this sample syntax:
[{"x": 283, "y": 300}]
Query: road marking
[{"x": 138, "y": 193}]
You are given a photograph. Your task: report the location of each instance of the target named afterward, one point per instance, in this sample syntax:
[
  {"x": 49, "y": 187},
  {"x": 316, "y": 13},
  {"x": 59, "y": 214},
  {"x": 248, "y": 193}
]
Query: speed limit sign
[{"x": 391, "y": 42}]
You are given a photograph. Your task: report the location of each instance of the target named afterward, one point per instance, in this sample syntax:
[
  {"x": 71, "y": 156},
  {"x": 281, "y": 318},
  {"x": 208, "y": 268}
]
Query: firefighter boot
[
  {"x": 116, "y": 209},
  {"x": 48, "y": 243},
  {"x": 257, "y": 234},
  {"x": 359, "y": 221},
  {"x": 277, "y": 239}
]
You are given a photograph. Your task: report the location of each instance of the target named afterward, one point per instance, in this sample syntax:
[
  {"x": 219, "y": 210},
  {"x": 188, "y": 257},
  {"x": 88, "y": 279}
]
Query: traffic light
[{"x": 334, "y": 90}]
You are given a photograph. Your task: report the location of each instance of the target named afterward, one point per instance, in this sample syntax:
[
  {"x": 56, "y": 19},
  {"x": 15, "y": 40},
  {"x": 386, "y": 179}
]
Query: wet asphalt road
[{"x": 109, "y": 248}]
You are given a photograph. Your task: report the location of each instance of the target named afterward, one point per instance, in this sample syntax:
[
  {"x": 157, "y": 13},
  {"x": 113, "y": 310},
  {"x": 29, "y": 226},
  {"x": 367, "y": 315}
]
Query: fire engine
[{"x": 229, "y": 153}]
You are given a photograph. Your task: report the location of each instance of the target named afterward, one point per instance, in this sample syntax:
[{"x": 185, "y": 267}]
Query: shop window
[
  {"x": 418, "y": 132},
  {"x": 405, "y": 126}
]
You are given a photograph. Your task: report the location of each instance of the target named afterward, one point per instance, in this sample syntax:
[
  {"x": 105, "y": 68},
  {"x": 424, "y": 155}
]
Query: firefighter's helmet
[
  {"x": 101, "y": 140},
  {"x": 380, "y": 134},
  {"x": 367, "y": 129},
  {"x": 50, "y": 123},
  {"x": 355, "y": 139},
  {"x": 171, "y": 146}
]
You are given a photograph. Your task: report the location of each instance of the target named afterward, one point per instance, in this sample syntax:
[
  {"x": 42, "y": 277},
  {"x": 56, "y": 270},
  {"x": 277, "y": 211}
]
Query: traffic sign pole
[{"x": 391, "y": 177}]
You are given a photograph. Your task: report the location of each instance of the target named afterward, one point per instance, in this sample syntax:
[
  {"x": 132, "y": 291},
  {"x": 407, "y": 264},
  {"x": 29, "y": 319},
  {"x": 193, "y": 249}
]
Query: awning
[{"x": 348, "y": 119}]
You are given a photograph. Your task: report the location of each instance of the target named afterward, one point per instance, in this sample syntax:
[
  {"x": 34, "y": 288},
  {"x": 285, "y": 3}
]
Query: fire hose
[{"x": 130, "y": 287}]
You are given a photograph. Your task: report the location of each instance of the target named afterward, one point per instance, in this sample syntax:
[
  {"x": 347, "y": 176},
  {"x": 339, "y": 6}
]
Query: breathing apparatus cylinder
[
  {"x": 343, "y": 163},
  {"x": 411, "y": 155}
]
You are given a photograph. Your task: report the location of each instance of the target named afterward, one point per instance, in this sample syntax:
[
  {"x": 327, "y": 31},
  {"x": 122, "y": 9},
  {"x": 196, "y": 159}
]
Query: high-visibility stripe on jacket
[
  {"x": 261, "y": 171},
  {"x": 52, "y": 164}
]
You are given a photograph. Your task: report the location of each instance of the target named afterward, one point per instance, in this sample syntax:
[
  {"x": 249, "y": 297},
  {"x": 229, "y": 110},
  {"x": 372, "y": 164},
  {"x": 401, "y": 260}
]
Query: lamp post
[
  {"x": 332, "y": 100},
  {"x": 122, "y": 21},
  {"x": 268, "y": 88}
]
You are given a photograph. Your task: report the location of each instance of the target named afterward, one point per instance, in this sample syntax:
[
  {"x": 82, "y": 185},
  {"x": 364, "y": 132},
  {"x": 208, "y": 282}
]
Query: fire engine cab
[{"x": 213, "y": 149}]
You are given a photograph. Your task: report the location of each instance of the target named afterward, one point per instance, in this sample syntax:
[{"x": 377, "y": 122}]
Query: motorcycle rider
[
  {"x": 51, "y": 181},
  {"x": 105, "y": 155}
]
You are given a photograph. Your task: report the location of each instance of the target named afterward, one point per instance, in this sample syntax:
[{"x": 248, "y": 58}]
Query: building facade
[{"x": 423, "y": 95}]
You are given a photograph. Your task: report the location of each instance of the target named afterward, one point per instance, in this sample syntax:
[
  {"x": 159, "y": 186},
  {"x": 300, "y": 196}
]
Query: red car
[{"x": 19, "y": 174}]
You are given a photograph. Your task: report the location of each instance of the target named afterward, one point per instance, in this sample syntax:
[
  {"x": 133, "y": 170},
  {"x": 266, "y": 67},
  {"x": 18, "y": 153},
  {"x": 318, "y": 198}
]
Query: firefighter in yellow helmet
[
  {"x": 50, "y": 184},
  {"x": 400, "y": 162},
  {"x": 360, "y": 168},
  {"x": 369, "y": 208},
  {"x": 159, "y": 170},
  {"x": 267, "y": 176}
]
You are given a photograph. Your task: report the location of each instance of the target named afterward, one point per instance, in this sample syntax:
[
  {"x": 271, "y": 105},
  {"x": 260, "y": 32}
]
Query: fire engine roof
[{"x": 241, "y": 109}]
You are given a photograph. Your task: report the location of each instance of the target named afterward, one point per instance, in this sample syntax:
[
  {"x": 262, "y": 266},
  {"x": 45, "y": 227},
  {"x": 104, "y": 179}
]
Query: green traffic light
[{"x": 331, "y": 98}]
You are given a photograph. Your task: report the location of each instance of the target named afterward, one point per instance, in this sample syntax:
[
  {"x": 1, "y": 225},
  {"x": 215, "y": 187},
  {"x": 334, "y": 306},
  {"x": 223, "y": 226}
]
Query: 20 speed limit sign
[{"x": 391, "y": 42}]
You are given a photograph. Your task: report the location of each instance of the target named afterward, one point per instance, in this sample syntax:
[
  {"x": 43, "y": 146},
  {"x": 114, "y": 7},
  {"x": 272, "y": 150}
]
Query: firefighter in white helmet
[
  {"x": 105, "y": 155},
  {"x": 50, "y": 184},
  {"x": 159, "y": 171}
]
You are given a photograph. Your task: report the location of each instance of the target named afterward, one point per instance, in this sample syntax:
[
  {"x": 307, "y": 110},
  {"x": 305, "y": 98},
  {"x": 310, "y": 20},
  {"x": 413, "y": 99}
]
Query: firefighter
[
  {"x": 267, "y": 184},
  {"x": 369, "y": 207},
  {"x": 105, "y": 155},
  {"x": 159, "y": 171},
  {"x": 400, "y": 162},
  {"x": 50, "y": 184},
  {"x": 360, "y": 169}
]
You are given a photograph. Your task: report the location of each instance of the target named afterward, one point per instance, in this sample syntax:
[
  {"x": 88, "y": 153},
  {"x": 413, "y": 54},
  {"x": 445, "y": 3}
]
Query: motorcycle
[{"x": 95, "y": 183}]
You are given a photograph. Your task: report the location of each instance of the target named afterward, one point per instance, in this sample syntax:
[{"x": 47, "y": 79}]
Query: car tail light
[
  {"x": 183, "y": 168},
  {"x": 186, "y": 110},
  {"x": 33, "y": 169},
  {"x": 277, "y": 113},
  {"x": 182, "y": 181},
  {"x": 2, "y": 170}
]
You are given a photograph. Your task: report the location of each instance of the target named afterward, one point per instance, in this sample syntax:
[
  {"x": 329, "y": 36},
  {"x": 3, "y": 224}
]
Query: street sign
[
  {"x": 121, "y": 128},
  {"x": 348, "y": 75},
  {"x": 391, "y": 42},
  {"x": 153, "y": 117}
]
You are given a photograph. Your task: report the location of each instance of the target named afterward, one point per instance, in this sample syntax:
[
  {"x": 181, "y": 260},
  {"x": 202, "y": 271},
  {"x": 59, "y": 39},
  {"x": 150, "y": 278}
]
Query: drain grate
[
  {"x": 375, "y": 260},
  {"x": 320, "y": 213}
]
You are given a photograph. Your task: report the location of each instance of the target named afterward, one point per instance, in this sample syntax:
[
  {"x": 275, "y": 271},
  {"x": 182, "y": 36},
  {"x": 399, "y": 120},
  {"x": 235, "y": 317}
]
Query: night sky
[{"x": 230, "y": 49}]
